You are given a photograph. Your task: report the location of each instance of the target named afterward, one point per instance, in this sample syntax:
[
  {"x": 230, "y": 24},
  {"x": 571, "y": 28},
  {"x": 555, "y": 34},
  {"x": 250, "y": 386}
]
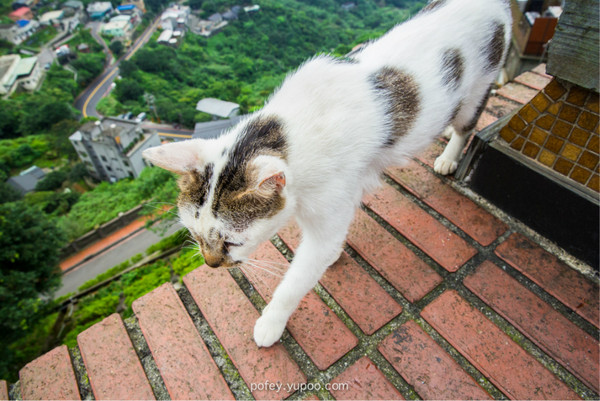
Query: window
[
  {"x": 103, "y": 158},
  {"x": 108, "y": 168},
  {"x": 83, "y": 154}
]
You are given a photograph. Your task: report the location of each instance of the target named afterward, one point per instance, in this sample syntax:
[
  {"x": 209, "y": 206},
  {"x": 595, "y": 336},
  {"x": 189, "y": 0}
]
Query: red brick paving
[
  {"x": 313, "y": 324},
  {"x": 461, "y": 211},
  {"x": 256, "y": 365},
  {"x": 185, "y": 364},
  {"x": 353, "y": 288},
  {"x": 427, "y": 367},
  {"x": 363, "y": 381},
  {"x": 517, "y": 374},
  {"x": 422, "y": 229},
  {"x": 396, "y": 263},
  {"x": 375, "y": 346},
  {"x": 50, "y": 377},
  {"x": 547, "y": 271},
  {"x": 555, "y": 334},
  {"x": 3, "y": 390},
  {"x": 113, "y": 367}
]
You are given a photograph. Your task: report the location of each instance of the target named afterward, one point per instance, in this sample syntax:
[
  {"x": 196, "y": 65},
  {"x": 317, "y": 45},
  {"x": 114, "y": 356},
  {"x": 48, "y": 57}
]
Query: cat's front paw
[
  {"x": 444, "y": 166},
  {"x": 267, "y": 330}
]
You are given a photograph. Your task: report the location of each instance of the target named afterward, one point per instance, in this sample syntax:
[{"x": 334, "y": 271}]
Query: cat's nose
[{"x": 213, "y": 260}]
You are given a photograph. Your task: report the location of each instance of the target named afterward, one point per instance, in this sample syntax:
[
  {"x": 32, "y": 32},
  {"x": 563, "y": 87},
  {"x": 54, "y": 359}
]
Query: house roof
[
  {"x": 213, "y": 129},
  {"x": 25, "y": 66},
  {"x": 216, "y": 107},
  {"x": 51, "y": 15},
  {"x": 20, "y": 12},
  {"x": 26, "y": 181}
]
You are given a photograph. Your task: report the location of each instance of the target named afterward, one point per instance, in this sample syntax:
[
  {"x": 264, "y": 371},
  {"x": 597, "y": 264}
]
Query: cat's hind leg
[
  {"x": 466, "y": 118},
  {"x": 447, "y": 162}
]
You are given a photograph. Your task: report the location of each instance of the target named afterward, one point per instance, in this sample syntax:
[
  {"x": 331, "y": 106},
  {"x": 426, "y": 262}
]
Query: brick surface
[
  {"x": 445, "y": 247},
  {"x": 427, "y": 367},
  {"x": 113, "y": 367},
  {"x": 468, "y": 216},
  {"x": 313, "y": 323},
  {"x": 220, "y": 299},
  {"x": 185, "y": 364},
  {"x": 50, "y": 377},
  {"x": 431, "y": 153},
  {"x": 353, "y": 288},
  {"x": 363, "y": 381},
  {"x": 516, "y": 373},
  {"x": 517, "y": 92},
  {"x": 562, "y": 282},
  {"x": 395, "y": 262},
  {"x": 3, "y": 390},
  {"x": 533, "y": 80},
  {"x": 499, "y": 106},
  {"x": 555, "y": 334}
]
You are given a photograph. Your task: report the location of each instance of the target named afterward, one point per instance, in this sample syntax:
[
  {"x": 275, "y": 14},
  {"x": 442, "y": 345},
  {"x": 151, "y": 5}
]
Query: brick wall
[{"x": 558, "y": 129}]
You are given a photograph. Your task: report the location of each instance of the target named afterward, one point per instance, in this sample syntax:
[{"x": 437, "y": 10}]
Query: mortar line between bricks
[
  {"x": 526, "y": 344},
  {"x": 217, "y": 351},
  {"x": 146, "y": 358},
  {"x": 81, "y": 375}
]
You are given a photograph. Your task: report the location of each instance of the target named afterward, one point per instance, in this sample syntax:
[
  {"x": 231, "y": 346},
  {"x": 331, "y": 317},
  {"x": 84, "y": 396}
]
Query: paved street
[{"x": 138, "y": 243}]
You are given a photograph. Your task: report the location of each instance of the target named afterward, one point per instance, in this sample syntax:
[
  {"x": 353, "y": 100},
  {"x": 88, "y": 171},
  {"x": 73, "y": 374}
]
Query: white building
[
  {"x": 19, "y": 31},
  {"x": 112, "y": 148},
  {"x": 18, "y": 72},
  {"x": 218, "y": 108}
]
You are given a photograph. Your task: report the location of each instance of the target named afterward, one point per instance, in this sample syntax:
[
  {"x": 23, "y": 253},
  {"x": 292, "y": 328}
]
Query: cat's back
[{"x": 442, "y": 24}]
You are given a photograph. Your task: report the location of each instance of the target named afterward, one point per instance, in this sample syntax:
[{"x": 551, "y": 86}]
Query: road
[
  {"x": 87, "y": 101},
  {"x": 138, "y": 243}
]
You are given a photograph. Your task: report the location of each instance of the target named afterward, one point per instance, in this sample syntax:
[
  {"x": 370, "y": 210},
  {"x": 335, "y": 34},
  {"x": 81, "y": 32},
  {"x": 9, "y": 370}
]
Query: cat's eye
[{"x": 229, "y": 244}]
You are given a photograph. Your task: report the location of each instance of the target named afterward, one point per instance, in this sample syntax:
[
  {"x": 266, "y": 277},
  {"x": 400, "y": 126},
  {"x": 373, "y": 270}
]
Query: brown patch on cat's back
[
  {"x": 194, "y": 186},
  {"x": 401, "y": 92},
  {"x": 495, "y": 47},
  {"x": 433, "y": 6},
  {"x": 453, "y": 68}
]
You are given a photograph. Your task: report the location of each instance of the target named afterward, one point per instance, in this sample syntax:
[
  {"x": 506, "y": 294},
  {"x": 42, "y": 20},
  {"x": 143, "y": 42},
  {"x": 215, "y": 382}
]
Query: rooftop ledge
[{"x": 438, "y": 295}]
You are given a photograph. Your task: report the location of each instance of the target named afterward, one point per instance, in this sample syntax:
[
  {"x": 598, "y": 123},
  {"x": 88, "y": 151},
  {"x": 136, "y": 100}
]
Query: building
[
  {"x": 99, "y": 10},
  {"x": 139, "y": 4},
  {"x": 27, "y": 180},
  {"x": 52, "y": 17},
  {"x": 21, "y": 13},
  {"x": 18, "y": 72},
  {"x": 214, "y": 129},
  {"x": 112, "y": 148},
  {"x": 218, "y": 108},
  {"x": 118, "y": 27},
  {"x": 19, "y": 31}
]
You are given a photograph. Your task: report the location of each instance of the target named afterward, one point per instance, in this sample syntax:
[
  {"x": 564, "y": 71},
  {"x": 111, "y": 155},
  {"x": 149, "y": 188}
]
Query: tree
[
  {"x": 128, "y": 89},
  {"x": 117, "y": 48},
  {"x": 52, "y": 181},
  {"x": 29, "y": 255}
]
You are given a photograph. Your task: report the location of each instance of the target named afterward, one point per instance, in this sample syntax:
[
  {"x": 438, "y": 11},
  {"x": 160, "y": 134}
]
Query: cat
[{"x": 324, "y": 137}]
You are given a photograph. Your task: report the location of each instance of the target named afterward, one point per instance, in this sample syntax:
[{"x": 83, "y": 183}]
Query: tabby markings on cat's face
[{"x": 229, "y": 206}]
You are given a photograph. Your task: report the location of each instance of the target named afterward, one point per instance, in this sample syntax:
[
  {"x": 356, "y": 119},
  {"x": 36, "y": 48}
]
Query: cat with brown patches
[{"x": 324, "y": 137}]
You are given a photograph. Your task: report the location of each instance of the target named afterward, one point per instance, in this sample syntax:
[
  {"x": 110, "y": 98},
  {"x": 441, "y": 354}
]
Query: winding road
[{"x": 88, "y": 100}]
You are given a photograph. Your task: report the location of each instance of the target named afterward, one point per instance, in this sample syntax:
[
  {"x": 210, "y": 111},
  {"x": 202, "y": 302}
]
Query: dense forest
[{"x": 244, "y": 63}]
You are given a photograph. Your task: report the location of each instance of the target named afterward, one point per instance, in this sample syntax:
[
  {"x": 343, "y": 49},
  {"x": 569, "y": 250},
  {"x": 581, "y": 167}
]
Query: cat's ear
[
  {"x": 178, "y": 157},
  {"x": 270, "y": 175}
]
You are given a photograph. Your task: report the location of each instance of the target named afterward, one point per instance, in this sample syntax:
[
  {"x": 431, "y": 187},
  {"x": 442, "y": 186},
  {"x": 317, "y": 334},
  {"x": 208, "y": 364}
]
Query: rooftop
[
  {"x": 217, "y": 107},
  {"x": 438, "y": 295}
]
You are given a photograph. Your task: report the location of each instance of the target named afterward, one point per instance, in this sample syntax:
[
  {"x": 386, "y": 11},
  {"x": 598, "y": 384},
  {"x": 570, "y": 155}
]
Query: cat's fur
[{"x": 323, "y": 139}]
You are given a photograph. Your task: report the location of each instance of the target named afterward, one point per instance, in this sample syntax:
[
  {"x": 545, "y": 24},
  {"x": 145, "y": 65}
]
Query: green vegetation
[{"x": 107, "y": 200}]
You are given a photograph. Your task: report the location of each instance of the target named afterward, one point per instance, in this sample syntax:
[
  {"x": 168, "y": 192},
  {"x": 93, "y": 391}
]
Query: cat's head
[{"x": 233, "y": 189}]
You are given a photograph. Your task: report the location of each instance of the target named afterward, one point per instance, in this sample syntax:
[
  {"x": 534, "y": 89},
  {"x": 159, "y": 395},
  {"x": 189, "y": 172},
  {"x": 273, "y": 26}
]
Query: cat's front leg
[{"x": 312, "y": 258}]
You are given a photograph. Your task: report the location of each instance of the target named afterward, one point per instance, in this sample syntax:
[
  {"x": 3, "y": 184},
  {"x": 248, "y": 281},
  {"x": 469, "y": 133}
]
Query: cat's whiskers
[
  {"x": 252, "y": 276},
  {"x": 266, "y": 269},
  {"x": 277, "y": 266}
]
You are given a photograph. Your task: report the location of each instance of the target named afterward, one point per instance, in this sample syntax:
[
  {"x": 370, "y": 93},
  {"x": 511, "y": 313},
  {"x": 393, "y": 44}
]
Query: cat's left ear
[
  {"x": 271, "y": 176},
  {"x": 177, "y": 157}
]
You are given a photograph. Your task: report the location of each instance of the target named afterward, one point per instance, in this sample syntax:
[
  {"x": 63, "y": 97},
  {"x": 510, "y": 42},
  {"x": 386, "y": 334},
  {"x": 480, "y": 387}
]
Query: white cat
[{"x": 323, "y": 139}]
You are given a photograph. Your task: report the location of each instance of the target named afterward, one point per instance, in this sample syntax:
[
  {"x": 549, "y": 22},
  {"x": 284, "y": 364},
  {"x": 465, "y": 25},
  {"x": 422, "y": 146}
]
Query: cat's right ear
[{"x": 177, "y": 157}]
